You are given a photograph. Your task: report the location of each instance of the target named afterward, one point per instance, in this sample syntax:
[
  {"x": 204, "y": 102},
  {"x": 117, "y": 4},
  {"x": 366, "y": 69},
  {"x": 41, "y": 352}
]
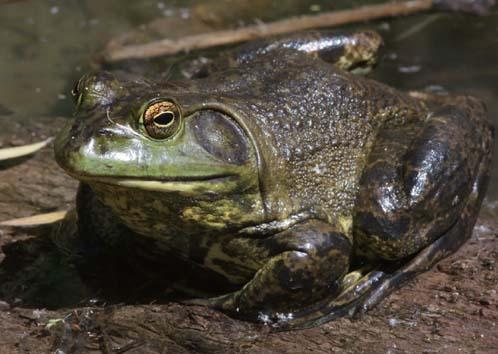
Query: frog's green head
[{"x": 133, "y": 139}]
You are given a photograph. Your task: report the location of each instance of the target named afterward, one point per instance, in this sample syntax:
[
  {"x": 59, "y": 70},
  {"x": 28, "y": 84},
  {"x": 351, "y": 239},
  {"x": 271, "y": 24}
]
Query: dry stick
[{"x": 327, "y": 19}]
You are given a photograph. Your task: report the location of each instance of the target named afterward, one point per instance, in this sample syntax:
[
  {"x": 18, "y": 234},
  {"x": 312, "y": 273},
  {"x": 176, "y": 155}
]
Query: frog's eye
[{"x": 161, "y": 119}]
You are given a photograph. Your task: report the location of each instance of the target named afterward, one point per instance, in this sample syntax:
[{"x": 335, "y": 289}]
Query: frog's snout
[{"x": 95, "y": 89}]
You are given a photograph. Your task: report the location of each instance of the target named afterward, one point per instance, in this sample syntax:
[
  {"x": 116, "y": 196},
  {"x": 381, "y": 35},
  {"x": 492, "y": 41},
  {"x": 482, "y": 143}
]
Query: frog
[{"x": 311, "y": 189}]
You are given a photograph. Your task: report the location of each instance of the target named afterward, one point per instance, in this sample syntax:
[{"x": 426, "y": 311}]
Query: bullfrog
[{"x": 311, "y": 189}]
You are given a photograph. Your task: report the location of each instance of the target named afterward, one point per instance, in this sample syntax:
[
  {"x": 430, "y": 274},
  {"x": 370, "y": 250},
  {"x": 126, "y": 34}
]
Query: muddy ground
[{"x": 451, "y": 309}]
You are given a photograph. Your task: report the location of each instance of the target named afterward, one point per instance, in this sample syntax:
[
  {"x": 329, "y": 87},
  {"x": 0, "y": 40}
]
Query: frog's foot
[
  {"x": 302, "y": 286},
  {"x": 355, "y": 286},
  {"x": 307, "y": 263}
]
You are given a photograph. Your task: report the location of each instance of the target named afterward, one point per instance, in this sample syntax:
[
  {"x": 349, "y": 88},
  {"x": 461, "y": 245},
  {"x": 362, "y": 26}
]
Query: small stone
[{"x": 393, "y": 322}]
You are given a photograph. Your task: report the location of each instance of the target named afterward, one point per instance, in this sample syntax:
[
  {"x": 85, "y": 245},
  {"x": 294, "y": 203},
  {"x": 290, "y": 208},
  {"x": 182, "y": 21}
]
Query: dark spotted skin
[{"x": 328, "y": 176}]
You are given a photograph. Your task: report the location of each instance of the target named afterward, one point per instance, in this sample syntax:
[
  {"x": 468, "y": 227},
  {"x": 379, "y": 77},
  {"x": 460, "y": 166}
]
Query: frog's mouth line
[
  {"x": 197, "y": 185},
  {"x": 161, "y": 186}
]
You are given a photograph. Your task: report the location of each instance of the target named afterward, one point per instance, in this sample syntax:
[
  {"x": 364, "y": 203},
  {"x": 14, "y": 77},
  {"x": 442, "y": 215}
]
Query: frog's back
[{"x": 320, "y": 121}]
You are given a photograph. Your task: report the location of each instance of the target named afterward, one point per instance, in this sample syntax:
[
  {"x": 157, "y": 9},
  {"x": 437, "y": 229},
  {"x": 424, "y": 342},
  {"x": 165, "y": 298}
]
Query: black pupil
[{"x": 164, "y": 118}]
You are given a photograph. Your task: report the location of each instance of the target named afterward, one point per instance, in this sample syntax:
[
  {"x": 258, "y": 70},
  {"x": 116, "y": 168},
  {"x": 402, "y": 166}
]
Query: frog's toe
[{"x": 372, "y": 298}]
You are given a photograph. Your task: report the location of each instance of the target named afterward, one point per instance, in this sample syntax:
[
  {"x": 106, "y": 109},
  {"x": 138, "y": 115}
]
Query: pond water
[{"x": 48, "y": 44}]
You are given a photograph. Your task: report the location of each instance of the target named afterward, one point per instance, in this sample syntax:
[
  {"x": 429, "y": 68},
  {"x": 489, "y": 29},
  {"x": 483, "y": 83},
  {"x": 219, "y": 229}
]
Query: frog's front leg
[{"x": 305, "y": 263}]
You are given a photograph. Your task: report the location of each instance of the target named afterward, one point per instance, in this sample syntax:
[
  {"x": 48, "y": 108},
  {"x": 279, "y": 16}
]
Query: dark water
[{"x": 46, "y": 45}]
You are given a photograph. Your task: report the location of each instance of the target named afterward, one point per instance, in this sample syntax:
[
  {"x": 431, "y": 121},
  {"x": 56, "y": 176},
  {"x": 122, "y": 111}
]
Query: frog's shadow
[{"x": 35, "y": 274}]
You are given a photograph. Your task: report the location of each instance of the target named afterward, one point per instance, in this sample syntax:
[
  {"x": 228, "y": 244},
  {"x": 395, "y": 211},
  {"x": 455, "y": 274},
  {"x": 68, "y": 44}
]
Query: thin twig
[{"x": 217, "y": 38}]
